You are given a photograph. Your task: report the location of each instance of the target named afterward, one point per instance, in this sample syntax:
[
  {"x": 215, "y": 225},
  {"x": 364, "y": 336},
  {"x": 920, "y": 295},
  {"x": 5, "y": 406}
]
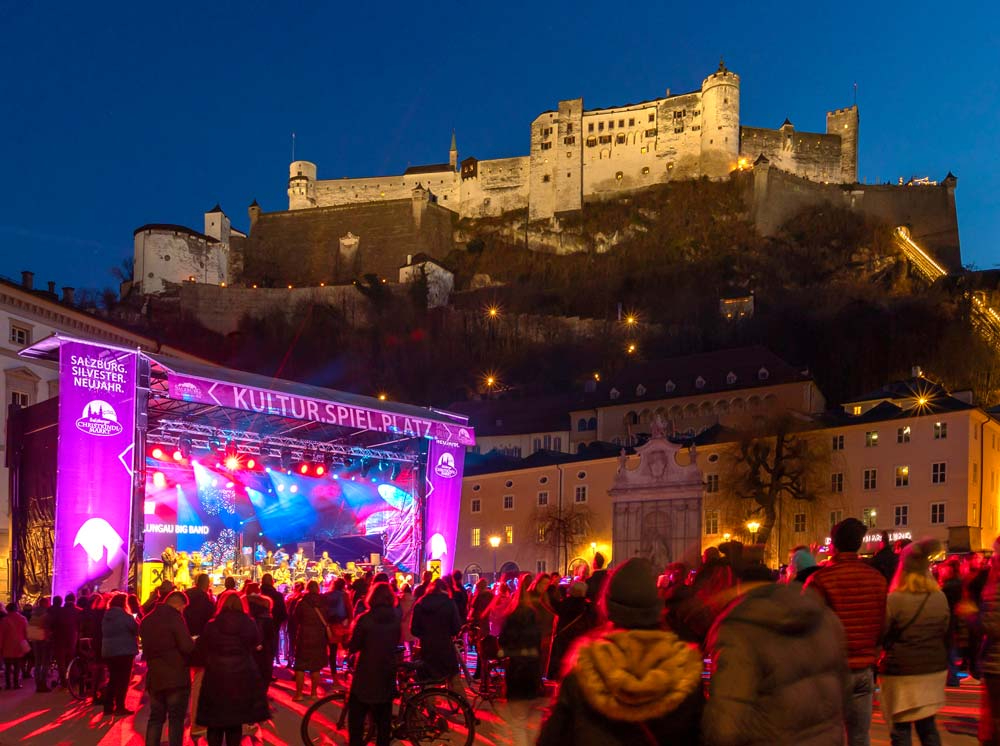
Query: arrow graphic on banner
[
  {"x": 127, "y": 463},
  {"x": 211, "y": 392}
]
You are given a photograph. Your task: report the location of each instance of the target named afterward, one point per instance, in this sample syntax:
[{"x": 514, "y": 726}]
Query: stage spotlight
[
  {"x": 286, "y": 461},
  {"x": 159, "y": 481},
  {"x": 382, "y": 466},
  {"x": 395, "y": 471},
  {"x": 232, "y": 462},
  {"x": 178, "y": 456},
  {"x": 158, "y": 453},
  {"x": 251, "y": 463},
  {"x": 320, "y": 470},
  {"x": 303, "y": 468},
  {"x": 366, "y": 467}
]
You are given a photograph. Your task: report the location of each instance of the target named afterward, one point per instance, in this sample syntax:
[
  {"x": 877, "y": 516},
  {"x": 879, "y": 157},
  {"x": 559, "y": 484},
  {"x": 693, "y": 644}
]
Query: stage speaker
[{"x": 308, "y": 548}]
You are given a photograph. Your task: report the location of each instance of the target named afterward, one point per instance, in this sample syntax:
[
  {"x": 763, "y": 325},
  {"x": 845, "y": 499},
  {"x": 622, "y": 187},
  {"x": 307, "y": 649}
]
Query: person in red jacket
[{"x": 857, "y": 594}]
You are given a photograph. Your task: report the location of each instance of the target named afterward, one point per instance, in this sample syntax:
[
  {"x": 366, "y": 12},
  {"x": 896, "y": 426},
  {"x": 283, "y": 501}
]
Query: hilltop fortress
[{"x": 578, "y": 155}]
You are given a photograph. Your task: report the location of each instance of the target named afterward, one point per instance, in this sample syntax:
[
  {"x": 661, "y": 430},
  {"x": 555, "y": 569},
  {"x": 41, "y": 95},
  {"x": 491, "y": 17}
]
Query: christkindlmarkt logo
[
  {"x": 188, "y": 390},
  {"x": 446, "y": 466},
  {"x": 99, "y": 418}
]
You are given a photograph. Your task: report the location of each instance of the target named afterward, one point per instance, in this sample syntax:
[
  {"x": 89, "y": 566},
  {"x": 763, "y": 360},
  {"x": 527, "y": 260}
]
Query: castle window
[
  {"x": 679, "y": 129},
  {"x": 620, "y": 139},
  {"x": 591, "y": 142},
  {"x": 696, "y": 127},
  {"x": 590, "y": 127},
  {"x": 611, "y": 124},
  {"x": 546, "y": 132},
  {"x": 645, "y": 170},
  {"x": 569, "y": 127},
  {"x": 652, "y": 132},
  {"x": 696, "y": 113},
  {"x": 605, "y": 139},
  {"x": 643, "y": 149},
  {"x": 546, "y": 145},
  {"x": 546, "y": 179},
  {"x": 631, "y": 122},
  {"x": 621, "y": 122},
  {"x": 619, "y": 176},
  {"x": 600, "y": 126},
  {"x": 652, "y": 117},
  {"x": 569, "y": 140}
]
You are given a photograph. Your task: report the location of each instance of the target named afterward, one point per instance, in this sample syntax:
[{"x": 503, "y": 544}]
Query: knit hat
[
  {"x": 802, "y": 560},
  {"x": 631, "y": 598},
  {"x": 848, "y": 535},
  {"x": 916, "y": 558}
]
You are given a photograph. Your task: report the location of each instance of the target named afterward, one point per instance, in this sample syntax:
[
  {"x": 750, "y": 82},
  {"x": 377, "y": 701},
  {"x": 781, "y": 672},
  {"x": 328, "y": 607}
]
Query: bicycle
[
  {"x": 426, "y": 713},
  {"x": 84, "y": 674},
  {"x": 466, "y": 636}
]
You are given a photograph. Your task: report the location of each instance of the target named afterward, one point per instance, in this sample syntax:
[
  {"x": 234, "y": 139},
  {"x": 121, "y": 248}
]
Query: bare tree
[{"x": 565, "y": 527}]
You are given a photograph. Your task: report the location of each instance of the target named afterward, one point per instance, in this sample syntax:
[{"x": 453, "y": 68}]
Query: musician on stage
[
  {"x": 280, "y": 556},
  {"x": 299, "y": 561},
  {"x": 259, "y": 554},
  {"x": 324, "y": 563},
  {"x": 283, "y": 575},
  {"x": 169, "y": 560}
]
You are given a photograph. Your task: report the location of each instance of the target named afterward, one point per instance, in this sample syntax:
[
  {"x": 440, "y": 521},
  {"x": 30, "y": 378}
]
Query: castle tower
[
  {"x": 453, "y": 153},
  {"x": 720, "y": 122},
  {"x": 217, "y": 225},
  {"x": 844, "y": 122},
  {"x": 301, "y": 185},
  {"x": 253, "y": 212},
  {"x": 568, "y": 156}
]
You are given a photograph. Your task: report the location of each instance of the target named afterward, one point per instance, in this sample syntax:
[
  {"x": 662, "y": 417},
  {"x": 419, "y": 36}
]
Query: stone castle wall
[{"x": 168, "y": 255}]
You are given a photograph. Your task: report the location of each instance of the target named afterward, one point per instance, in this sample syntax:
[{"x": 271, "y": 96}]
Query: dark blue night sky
[{"x": 117, "y": 115}]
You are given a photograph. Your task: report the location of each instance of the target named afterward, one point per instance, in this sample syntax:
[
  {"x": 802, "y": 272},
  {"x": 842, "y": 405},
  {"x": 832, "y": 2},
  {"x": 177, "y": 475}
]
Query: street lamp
[
  {"x": 593, "y": 547},
  {"x": 494, "y": 542},
  {"x": 753, "y": 527}
]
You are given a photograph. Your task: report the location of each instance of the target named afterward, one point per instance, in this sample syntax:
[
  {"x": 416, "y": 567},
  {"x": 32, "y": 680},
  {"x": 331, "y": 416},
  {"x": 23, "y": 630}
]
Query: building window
[
  {"x": 836, "y": 516},
  {"x": 508, "y": 502},
  {"x": 537, "y": 445},
  {"x": 711, "y": 522},
  {"x": 901, "y": 516},
  {"x": 678, "y": 129},
  {"x": 20, "y": 398},
  {"x": 940, "y": 430},
  {"x": 837, "y": 482},
  {"x": 476, "y": 506},
  {"x": 591, "y": 142},
  {"x": 508, "y": 534},
  {"x": 652, "y": 117},
  {"x": 631, "y": 122},
  {"x": 557, "y": 443},
  {"x": 938, "y": 472},
  {"x": 540, "y": 533},
  {"x": 871, "y": 439},
  {"x": 546, "y": 146},
  {"x": 20, "y": 335},
  {"x": 604, "y": 139},
  {"x": 871, "y": 479},
  {"x": 799, "y": 523},
  {"x": 619, "y": 175},
  {"x": 838, "y": 443},
  {"x": 570, "y": 140},
  {"x": 645, "y": 170},
  {"x": 869, "y": 516},
  {"x": 477, "y": 537},
  {"x": 590, "y": 127},
  {"x": 903, "y": 434},
  {"x": 580, "y": 494},
  {"x": 902, "y": 476},
  {"x": 620, "y": 139},
  {"x": 651, "y": 133},
  {"x": 569, "y": 127},
  {"x": 540, "y": 567},
  {"x": 937, "y": 514},
  {"x": 546, "y": 179},
  {"x": 712, "y": 483},
  {"x": 543, "y": 499}
]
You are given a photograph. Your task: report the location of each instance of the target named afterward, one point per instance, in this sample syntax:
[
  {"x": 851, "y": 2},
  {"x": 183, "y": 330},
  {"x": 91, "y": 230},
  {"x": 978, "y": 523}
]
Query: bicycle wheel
[
  {"x": 79, "y": 678},
  {"x": 323, "y": 719},
  {"x": 438, "y": 716}
]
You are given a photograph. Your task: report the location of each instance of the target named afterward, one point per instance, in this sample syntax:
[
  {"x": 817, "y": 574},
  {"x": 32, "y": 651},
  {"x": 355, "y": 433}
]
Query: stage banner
[
  {"x": 251, "y": 399},
  {"x": 443, "y": 500},
  {"x": 97, "y": 389}
]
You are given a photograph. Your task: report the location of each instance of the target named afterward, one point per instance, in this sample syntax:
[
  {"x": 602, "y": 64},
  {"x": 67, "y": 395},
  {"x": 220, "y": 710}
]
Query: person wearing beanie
[
  {"x": 802, "y": 565},
  {"x": 779, "y": 673},
  {"x": 629, "y": 682},
  {"x": 574, "y": 618},
  {"x": 914, "y": 667},
  {"x": 857, "y": 594}
]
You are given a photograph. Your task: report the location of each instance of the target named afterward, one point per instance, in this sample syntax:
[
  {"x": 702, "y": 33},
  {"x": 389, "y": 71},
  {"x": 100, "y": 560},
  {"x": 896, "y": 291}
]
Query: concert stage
[{"x": 143, "y": 451}]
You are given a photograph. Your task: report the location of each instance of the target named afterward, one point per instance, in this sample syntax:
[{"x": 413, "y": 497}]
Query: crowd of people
[{"x": 727, "y": 652}]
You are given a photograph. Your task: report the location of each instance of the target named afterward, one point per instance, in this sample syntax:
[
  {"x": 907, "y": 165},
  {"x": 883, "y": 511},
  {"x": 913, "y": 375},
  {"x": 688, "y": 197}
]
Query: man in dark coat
[
  {"x": 374, "y": 638},
  {"x": 166, "y": 645},
  {"x": 885, "y": 560},
  {"x": 200, "y": 606},
  {"x": 459, "y": 595},
  {"x": 435, "y": 623},
  {"x": 65, "y": 633},
  {"x": 279, "y": 612},
  {"x": 597, "y": 579}
]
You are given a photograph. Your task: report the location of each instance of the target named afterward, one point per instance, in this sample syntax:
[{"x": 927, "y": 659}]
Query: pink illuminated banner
[
  {"x": 264, "y": 401},
  {"x": 95, "y": 458},
  {"x": 443, "y": 498}
]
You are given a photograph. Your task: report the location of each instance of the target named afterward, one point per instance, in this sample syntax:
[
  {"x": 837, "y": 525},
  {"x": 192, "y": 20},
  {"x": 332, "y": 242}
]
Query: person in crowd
[
  {"x": 521, "y": 640},
  {"x": 200, "y": 606},
  {"x": 119, "y": 646},
  {"x": 260, "y": 609},
  {"x": 801, "y": 565},
  {"x": 359, "y": 590},
  {"x": 574, "y": 618},
  {"x": 597, "y": 579},
  {"x": 28, "y": 662},
  {"x": 545, "y": 616},
  {"x": 985, "y": 617},
  {"x": 338, "y": 617},
  {"x": 629, "y": 682},
  {"x": 166, "y": 645},
  {"x": 857, "y": 594},
  {"x": 406, "y": 615},
  {"x": 953, "y": 589},
  {"x": 885, "y": 560},
  {"x": 233, "y": 693},
  {"x": 182, "y": 573},
  {"x": 298, "y": 560},
  {"x": 163, "y": 590},
  {"x": 40, "y": 636},
  {"x": 279, "y": 612},
  {"x": 291, "y": 602},
  {"x": 132, "y": 605},
  {"x": 712, "y": 590},
  {"x": 65, "y": 633},
  {"x": 13, "y": 645},
  {"x": 229, "y": 582},
  {"x": 91, "y": 618},
  {"x": 310, "y": 641},
  {"x": 914, "y": 666},
  {"x": 479, "y": 620},
  {"x": 779, "y": 670},
  {"x": 375, "y": 637},
  {"x": 435, "y": 624},
  {"x": 498, "y": 610},
  {"x": 459, "y": 595},
  {"x": 426, "y": 578}
]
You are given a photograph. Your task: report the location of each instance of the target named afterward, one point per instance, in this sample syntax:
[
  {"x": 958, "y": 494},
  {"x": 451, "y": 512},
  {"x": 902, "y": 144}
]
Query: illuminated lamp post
[
  {"x": 494, "y": 542},
  {"x": 753, "y": 527}
]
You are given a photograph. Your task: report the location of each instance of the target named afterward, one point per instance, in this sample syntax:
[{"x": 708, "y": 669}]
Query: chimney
[
  {"x": 52, "y": 287},
  {"x": 68, "y": 296},
  {"x": 28, "y": 279}
]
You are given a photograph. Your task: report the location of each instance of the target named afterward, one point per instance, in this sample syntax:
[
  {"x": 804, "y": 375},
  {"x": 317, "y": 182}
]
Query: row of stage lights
[{"x": 317, "y": 467}]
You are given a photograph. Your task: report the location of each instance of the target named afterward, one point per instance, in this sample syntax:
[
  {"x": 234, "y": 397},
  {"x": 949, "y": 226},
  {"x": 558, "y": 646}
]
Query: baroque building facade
[{"x": 578, "y": 155}]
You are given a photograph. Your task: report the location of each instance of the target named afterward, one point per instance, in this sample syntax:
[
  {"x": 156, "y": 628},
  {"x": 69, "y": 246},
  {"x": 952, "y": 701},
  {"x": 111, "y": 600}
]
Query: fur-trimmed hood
[{"x": 637, "y": 675}]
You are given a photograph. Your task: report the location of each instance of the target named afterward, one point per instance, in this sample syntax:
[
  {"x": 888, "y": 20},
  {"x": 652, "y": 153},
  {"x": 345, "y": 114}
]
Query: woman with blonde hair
[{"x": 914, "y": 665}]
